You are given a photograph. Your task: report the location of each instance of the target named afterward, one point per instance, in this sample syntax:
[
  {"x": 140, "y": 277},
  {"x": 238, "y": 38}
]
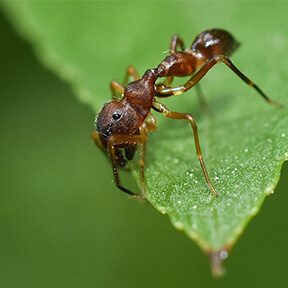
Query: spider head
[{"x": 116, "y": 117}]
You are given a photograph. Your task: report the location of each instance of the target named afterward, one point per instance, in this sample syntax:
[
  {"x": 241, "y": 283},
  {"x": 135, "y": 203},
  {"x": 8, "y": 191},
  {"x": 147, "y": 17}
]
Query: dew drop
[
  {"x": 189, "y": 173},
  {"x": 283, "y": 135},
  {"x": 246, "y": 150},
  {"x": 195, "y": 207},
  {"x": 223, "y": 254}
]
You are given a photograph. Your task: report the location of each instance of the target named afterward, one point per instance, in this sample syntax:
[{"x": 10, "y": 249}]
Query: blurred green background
[{"x": 63, "y": 223}]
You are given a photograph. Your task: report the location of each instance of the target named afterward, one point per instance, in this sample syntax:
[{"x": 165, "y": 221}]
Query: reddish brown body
[
  {"x": 124, "y": 123},
  {"x": 205, "y": 46},
  {"x": 124, "y": 117}
]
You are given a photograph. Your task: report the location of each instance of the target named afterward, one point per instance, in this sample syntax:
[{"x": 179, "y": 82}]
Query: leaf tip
[{"x": 216, "y": 262}]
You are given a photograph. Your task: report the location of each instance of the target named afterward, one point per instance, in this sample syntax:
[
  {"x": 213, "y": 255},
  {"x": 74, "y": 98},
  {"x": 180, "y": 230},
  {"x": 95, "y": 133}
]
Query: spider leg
[
  {"x": 169, "y": 91},
  {"x": 121, "y": 141},
  {"x": 117, "y": 88},
  {"x": 131, "y": 72},
  {"x": 185, "y": 116},
  {"x": 229, "y": 63},
  {"x": 97, "y": 140},
  {"x": 175, "y": 42}
]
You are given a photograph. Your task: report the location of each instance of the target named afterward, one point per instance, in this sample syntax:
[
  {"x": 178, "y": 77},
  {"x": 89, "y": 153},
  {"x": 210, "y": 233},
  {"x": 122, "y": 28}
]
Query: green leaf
[{"x": 244, "y": 140}]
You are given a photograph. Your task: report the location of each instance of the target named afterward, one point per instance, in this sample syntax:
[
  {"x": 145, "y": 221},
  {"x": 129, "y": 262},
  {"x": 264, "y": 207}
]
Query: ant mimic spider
[{"x": 124, "y": 123}]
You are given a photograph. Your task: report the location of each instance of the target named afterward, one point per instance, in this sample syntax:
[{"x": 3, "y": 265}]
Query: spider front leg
[
  {"x": 122, "y": 141},
  {"x": 97, "y": 140},
  {"x": 185, "y": 116}
]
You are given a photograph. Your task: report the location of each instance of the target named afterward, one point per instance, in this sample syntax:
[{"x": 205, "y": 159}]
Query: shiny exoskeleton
[{"x": 124, "y": 122}]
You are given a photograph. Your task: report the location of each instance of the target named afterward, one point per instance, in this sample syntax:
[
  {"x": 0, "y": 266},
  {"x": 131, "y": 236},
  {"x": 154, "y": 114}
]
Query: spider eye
[{"x": 116, "y": 116}]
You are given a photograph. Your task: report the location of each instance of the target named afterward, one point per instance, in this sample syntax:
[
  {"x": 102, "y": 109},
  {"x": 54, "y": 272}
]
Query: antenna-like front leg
[{"x": 122, "y": 141}]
